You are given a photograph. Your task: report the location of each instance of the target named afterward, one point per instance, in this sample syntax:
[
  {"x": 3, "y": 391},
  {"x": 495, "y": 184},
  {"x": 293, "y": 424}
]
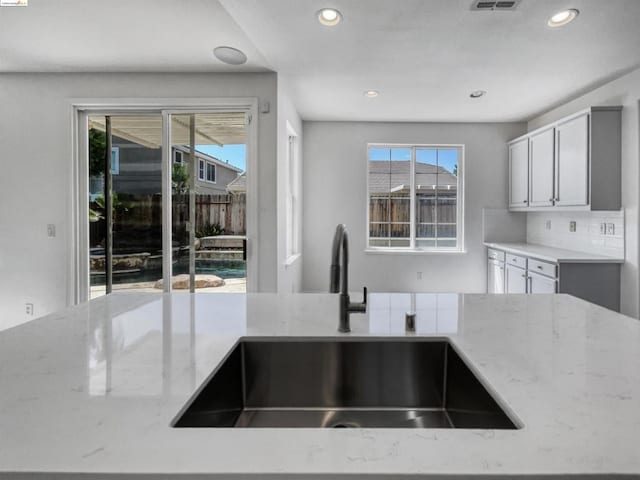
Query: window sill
[{"x": 407, "y": 251}]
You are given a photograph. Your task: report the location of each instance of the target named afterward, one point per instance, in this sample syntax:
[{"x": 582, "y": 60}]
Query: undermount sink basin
[{"x": 343, "y": 383}]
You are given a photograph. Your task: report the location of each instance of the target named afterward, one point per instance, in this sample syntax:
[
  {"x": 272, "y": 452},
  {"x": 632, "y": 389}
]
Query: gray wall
[
  {"x": 624, "y": 91},
  {"x": 335, "y": 169},
  {"x": 36, "y": 181}
]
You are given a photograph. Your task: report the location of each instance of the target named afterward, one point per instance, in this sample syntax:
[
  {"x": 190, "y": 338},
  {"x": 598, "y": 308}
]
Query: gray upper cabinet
[
  {"x": 571, "y": 164},
  {"x": 518, "y": 168},
  {"x": 541, "y": 168}
]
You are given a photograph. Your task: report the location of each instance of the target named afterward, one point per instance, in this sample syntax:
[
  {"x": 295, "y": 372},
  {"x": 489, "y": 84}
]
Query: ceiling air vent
[{"x": 487, "y": 5}]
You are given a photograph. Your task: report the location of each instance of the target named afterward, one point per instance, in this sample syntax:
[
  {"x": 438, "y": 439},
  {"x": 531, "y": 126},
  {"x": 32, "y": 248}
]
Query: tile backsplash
[{"x": 553, "y": 229}]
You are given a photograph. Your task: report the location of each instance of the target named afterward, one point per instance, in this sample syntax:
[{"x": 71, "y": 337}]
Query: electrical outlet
[
  {"x": 547, "y": 224},
  {"x": 572, "y": 226},
  {"x": 611, "y": 229},
  {"x": 51, "y": 230},
  {"x": 603, "y": 229},
  {"x": 419, "y": 275},
  {"x": 28, "y": 308}
]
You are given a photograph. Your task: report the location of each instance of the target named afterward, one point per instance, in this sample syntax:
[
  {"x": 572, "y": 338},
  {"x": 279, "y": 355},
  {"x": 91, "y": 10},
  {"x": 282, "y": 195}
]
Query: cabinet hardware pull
[
  {"x": 540, "y": 267},
  {"x": 524, "y": 201}
]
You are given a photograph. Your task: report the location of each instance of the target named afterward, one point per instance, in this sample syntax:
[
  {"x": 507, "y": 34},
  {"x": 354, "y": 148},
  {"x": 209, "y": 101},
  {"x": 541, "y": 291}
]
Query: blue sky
[
  {"x": 235, "y": 154},
  {"x": 446, "y": 158}
]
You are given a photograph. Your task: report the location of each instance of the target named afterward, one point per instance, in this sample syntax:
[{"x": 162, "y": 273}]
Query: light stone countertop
[
  {"x": 551, "y": 254},
  {"x": 94, "y": 388}
]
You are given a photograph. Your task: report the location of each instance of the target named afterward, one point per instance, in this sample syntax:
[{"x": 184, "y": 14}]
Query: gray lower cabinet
[
  {"x": 515, "y": 279},
  {"x": 541, "y": 284},
  {"x": 597, "y": 283},
  {"x": 495, "y": 278}
]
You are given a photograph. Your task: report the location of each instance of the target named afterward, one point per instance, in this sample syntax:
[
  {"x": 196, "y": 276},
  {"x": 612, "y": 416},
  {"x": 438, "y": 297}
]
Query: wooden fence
[
  {"x": 138, "y": 218},
  {"x": 391, "y": 216}
]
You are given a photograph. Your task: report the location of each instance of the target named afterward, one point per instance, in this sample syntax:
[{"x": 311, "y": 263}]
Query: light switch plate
[
  {"x": 547, "y": 224},
  {"x": 572, "y": 226},
  {"x": 51, "y": 230},
  {"x": 611, "y": 229}
]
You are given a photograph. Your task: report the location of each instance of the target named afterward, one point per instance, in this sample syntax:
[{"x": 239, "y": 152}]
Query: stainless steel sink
[{"x": 343, "y": 383}]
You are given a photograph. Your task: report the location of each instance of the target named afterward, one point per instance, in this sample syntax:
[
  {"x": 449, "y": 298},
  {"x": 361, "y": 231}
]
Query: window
[
  {"x": 207, "y": 171},
  {"x": 115, "y": 160},
  {"x": 177, "y": 157},
  {"x": 415, "y": 197},
  {"x": 292, "y": 198}
]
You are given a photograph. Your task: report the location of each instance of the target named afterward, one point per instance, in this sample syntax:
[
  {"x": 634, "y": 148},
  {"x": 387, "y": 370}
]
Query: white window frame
[
  {"x": 115, "y": 160},
  {"x": 412, "y": 248},
  {"x": 202, "y": 172},
  {"x": 175, "y": 157},
  {"x": 292, "y": 197}
]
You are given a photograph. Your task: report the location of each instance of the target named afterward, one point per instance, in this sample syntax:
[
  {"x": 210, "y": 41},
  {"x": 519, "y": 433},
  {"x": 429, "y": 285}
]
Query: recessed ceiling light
[
  {"x": 230, "y": 55},
  {"x": 477, "y": 94},
  {"x": 329, "y": 17},
  {"x": 562, "y": 18},
  {"x": 371, "y": 93}
]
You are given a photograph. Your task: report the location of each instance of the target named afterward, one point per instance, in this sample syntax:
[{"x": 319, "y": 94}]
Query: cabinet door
[
  {"x": 495, "y": 277},
  {"x": 542, "y": 284},
  {"x": 572, "y": 162},
  {"x": 519, "y": 173},
  {"x": 515, "y": 280},
  {"x": 541, "y": 165}
]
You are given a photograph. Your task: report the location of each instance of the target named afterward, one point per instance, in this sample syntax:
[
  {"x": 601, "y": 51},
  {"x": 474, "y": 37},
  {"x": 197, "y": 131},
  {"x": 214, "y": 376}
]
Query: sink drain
[{"x": 344, "y": 425}]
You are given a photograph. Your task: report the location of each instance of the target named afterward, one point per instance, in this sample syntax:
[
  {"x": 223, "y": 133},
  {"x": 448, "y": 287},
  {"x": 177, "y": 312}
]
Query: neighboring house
[
  {"x": 213, "y": 174},
  {"x": 136, "y": 169},
  {"x": 395, "y": 178},
  {"x": 239, "y": 185}
]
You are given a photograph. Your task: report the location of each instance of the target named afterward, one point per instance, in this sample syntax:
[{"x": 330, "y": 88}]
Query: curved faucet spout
[
  {"x": 341, "y": 269},
  {"x": 340, "y": 244}
]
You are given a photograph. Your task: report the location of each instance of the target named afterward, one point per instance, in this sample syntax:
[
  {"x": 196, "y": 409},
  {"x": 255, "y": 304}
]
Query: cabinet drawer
[
  {"x": 516, "y": 260},
  {"x": 495, "y": 255},
  {"x": 543, "y": 268}
]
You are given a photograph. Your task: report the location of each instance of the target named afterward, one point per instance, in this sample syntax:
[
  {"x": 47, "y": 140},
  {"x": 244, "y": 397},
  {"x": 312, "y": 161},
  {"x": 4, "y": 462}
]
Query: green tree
[
  {"x": 179, "y": 178},
  {"x": 97, "y": 148}
]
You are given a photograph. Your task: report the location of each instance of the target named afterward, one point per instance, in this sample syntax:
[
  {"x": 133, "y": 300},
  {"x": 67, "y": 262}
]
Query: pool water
[{"x": 221, "y": 268}]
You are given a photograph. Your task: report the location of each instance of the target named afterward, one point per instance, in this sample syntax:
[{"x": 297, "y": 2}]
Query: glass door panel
[
  {"x": 208, "y": 201},
  {"x": 125, "y": 203}
]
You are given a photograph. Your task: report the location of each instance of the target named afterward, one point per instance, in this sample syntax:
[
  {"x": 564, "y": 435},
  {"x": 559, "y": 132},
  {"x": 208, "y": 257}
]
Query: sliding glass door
[{"x": 166, "y": 201}]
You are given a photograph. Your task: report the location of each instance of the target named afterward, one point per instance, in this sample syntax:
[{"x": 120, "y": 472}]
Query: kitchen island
[{"x": 94, "y": 389}]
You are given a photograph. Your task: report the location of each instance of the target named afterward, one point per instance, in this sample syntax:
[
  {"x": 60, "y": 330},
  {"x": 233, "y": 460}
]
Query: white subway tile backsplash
[{"x": 586, "y": 238}]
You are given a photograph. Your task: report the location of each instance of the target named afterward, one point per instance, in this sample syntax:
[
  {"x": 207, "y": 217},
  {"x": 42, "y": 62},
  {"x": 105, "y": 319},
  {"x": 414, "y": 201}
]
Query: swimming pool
[{"x": 221, "y": 268}]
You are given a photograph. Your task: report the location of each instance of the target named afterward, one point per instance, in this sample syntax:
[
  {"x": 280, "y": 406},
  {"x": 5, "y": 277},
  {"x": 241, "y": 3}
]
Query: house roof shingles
[{"x": 385, "y": 177}]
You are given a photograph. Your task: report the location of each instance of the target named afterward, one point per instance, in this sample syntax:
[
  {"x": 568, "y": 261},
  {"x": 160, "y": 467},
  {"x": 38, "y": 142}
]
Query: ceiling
[
  {"x": 120, "y": 36},
  {"x": 424, "y": 56}
]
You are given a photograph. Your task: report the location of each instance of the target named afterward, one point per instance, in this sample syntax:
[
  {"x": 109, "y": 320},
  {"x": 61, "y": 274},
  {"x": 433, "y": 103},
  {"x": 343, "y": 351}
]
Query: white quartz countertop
[
  {"x": 552, "y": 254},
  {"x": 93, "y": 389}
]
